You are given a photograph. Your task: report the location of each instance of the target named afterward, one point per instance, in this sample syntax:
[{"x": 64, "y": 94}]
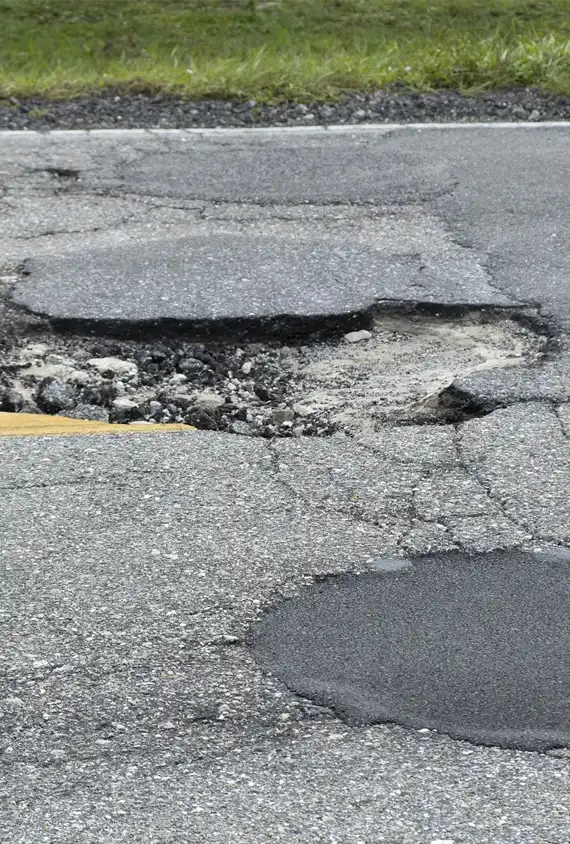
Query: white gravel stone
[
  {"x": 113, "y": 366},
  {"x": 208, "y": 400},
  {"x": 124, "y": 404},
  {"x": 357, "y": 336},
  {"x": 78, "y": 376},
  {"x": 37, "y": 350}
]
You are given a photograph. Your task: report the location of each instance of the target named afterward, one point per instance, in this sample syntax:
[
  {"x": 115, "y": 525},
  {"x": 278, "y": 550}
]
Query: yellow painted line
[{"x": 38, "y": 425}]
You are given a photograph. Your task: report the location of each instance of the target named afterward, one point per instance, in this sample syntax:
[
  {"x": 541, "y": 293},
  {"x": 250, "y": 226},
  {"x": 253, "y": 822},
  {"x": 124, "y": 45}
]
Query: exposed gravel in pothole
[
  {"x": 111, "y": 110},
  {"x": 395, "y": 373}
]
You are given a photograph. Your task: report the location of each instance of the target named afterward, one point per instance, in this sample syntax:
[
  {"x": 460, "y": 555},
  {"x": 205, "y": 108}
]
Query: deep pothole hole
[{"x": 400, "y": 370}]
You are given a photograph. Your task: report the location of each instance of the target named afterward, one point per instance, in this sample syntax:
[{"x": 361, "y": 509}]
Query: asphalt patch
[{"x": 473, "y": 646}]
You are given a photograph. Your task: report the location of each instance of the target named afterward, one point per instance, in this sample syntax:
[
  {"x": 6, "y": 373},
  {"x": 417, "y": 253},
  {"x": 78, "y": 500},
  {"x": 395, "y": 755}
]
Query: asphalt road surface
[{"x": 136, "y": 568}]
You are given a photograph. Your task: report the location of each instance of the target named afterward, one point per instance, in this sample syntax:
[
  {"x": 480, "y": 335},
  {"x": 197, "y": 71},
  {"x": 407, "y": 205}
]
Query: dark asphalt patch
[{"x": 477, "y": 647}]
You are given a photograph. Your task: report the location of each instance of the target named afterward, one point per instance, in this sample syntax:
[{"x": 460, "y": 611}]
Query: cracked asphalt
[{"x": 134, "y": 568}]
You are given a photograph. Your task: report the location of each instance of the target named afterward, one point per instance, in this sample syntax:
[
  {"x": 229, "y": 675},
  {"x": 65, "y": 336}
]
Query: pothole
[
  {"x": 475, "y": 646},
  {"x": 396, "y": 371}
]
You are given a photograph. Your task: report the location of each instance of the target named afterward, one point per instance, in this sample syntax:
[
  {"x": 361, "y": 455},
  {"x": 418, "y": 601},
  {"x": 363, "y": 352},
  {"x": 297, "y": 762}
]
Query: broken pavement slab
[
  {"x": 461, "y": 176},
  {"x": 263, "y": 281}
]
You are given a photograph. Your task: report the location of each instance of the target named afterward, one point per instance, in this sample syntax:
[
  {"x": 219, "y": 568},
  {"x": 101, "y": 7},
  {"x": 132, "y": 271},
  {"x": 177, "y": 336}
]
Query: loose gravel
[
  {"x": 112, "y": 110},
  {"x": 395, "y": 372}
]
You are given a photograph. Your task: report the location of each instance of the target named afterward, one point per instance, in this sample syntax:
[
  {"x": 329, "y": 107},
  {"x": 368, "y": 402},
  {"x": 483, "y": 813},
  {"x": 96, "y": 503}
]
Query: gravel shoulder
[{"x": 111, "y": 110}]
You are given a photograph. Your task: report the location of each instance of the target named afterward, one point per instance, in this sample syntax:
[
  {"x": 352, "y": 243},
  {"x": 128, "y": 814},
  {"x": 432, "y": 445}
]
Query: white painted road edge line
[{"x": 324, "y": 130}]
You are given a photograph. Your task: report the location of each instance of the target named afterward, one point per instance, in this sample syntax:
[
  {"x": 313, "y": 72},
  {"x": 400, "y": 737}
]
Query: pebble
[
  {"x": 358, "y": 336},
  {"x": 228, "y": 639},
  {"x": 54, "y": 395},
  {"x": 124, "y": 410},
  {"x": 302, "y": 409},
  {"x": 190, "y": 365},
  {"x": 200, "y": 418},
  {"x": 79, "y": 377},
  {"x": 279, "y": 417},
  {"x": 102, "y": 394},
  {"x": 11, "y": 401},
  {"x": 36, "y": 350},
  {"x": 124, "y": 404},
  {"x": 247, "y": 367},
  {"x": 182, "y": 401},
  {"x": 207, "y": 400},
  {"x": 92, "y": 412},
  {"x": 113, "y": 366}
]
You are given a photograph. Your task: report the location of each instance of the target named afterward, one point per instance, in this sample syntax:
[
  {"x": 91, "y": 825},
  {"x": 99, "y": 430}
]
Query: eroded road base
[{"x": 399, "y": 369}]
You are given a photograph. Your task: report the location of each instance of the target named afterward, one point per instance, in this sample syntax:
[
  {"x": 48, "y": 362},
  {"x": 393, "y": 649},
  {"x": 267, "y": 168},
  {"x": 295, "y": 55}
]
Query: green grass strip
[{"x": 281, "y": 49}]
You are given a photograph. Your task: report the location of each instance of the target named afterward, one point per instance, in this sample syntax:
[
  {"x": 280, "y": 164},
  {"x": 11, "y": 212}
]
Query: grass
[{"x": 285, "y": 49}]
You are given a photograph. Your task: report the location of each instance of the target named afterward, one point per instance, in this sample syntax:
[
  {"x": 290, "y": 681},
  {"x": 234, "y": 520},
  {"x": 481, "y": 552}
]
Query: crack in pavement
[
  {"x": 556, "y": 410},
  {"x": 471, "y": 471},
  {"x": 534, "y": 501},
  {"x": 351, "y": 512},
  {"x": 415, "y": 517},
  {"x": 446, "y": 532}
]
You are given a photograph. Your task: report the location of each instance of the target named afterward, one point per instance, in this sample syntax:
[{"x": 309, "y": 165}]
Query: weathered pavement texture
[
  {"x": 452, "y": 215},
  {"x": 132, "y": 707}
]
